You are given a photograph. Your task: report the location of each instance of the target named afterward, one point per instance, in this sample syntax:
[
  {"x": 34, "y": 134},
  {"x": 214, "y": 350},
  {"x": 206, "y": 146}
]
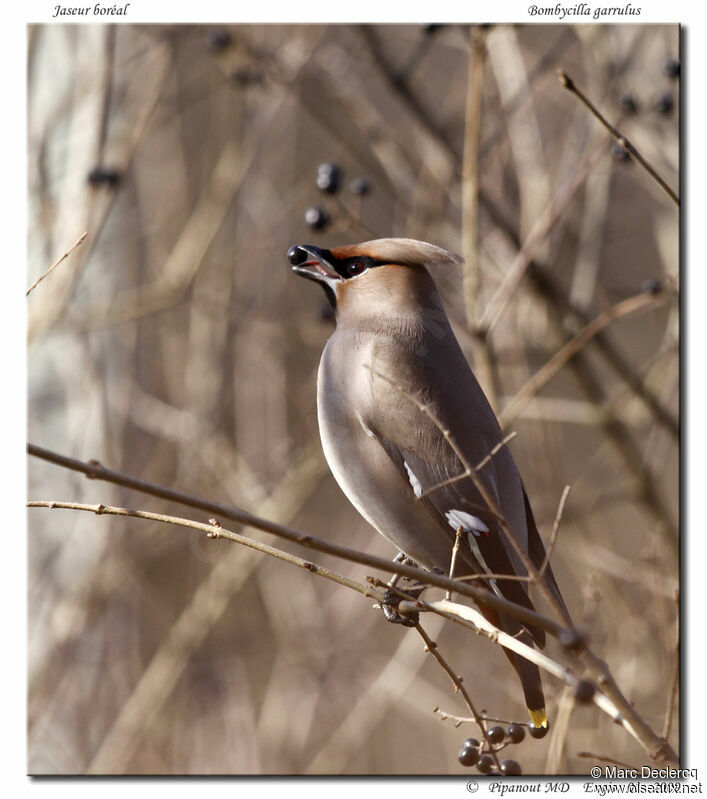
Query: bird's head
[{"x": 373, "y": 273}]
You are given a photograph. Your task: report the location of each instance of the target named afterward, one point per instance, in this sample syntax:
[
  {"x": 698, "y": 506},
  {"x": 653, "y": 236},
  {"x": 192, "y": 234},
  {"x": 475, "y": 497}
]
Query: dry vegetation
[{"x": 174, "y": 344}]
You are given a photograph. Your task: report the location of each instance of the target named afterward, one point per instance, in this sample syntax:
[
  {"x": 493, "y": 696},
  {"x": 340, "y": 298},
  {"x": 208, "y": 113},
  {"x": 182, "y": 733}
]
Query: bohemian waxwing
[{"x": 393, "y": 342}]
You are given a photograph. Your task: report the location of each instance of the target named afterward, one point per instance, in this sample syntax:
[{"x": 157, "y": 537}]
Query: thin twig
[
  {"x": 555, "y": 528},
  {"x": 479, "y": 466},
  {"x": 213, "y": 530},
  {"x": 444, "y": 715},
  {"x": 606, "y": 759},
  {"x": 455, "y": 551},
  {"x": 638, "y": 302},
  {"x": 675, "y": 676},
  {"x": 61, "y": 260},
  {"x": 431, "y": 647},
  {"x": 553, "y": 213},
  {"x": 620, "y": 139},
  {"x": 471, "y": 267},
  {"x": 565, "y": 707}
]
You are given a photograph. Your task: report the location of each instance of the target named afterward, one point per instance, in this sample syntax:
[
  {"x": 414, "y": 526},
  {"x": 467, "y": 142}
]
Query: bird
[{"x": 394, "y": 390}]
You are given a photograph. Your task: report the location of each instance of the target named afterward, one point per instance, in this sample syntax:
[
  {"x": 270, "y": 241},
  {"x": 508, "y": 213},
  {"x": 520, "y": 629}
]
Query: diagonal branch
[
  {"x": 56, "y": 263},
  {"x": 461, "y": 614},
  {"x": 658, "y": 748},
  {"x": 471, "y": 618},
  {"x": 620, "y": 139},
  {"x": 96, "y": 471},
  {"x": 638, "y": 302},
  {"x": 614, "y": 703},
  {"x": 466, "y": 473}
]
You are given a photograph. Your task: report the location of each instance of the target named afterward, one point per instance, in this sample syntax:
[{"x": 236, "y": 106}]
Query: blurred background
[{"x": 174, "y": 344}]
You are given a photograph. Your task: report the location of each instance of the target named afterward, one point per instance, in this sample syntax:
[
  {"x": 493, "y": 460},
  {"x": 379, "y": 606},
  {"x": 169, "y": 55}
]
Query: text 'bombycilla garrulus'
[{"x": 393, "y": 339}]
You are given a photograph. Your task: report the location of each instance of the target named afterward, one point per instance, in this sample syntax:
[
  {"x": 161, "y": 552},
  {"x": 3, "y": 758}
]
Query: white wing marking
[
  {"x": 472, "y": 526},
  {"x": 414, "y": 482},
  {"x": 468, "y": 523}
]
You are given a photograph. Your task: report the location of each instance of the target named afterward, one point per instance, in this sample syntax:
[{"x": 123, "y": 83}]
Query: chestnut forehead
[{"x": 351, "y": 251}]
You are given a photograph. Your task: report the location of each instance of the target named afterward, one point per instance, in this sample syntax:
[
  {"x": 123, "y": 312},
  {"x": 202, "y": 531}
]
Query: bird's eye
[{"x": 355, "y": 268}]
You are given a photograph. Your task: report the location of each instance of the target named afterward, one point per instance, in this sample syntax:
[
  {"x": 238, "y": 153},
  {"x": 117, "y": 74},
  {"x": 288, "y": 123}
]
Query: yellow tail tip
[{"x": 538, "y": 717}]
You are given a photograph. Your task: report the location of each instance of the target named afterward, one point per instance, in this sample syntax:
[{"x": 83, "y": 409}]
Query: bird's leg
[
  {"x": 401, "y": 557},
  {"x": 391, "y": 599}
]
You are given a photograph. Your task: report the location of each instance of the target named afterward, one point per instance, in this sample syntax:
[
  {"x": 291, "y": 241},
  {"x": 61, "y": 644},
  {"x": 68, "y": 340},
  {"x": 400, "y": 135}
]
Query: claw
[{"x": 389, "y": 606}]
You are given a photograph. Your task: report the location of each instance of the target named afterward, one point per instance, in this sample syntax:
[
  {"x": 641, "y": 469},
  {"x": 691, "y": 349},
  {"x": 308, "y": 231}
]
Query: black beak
[{"x": 312, "y": 262}]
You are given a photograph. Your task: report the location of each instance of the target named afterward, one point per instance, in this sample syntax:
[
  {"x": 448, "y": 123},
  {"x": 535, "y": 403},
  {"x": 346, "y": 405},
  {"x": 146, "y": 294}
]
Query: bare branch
[
  {"x": 555, "y": 528},
  {"x": 455, "y": 552},
  {"x": 431, "y": 647},
  {"x": 620, "y": 139},
  {"x": 658, "y": 749},
  {"x": 480, "y": 595},
  {"x": 606, "y": 759},
  {"x": 213, "y": 530},
  {"x": 480, "y": 465},
  {"x": 61, "y": 260},
  {"x": 471, "y": 268},
  {"x": 638, "y": 302},
  {"x": 553, "y": 212},
  {"x": 675, "y": 676}
]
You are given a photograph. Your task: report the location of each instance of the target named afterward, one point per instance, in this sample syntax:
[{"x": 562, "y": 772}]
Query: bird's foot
[
  {"x": 392, "y": 598},
  {"x": 389, "y": 606}
]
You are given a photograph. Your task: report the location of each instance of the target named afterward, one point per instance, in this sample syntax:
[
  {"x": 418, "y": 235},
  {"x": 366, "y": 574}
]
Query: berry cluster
[
  {"x": 472, "y": 753},
  {"x": 329, "y": 181},
  {"x": 663, "y": 103}
]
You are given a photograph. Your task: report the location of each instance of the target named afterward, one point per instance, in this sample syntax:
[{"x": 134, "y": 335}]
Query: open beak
[{"x": 312, "y": 262}]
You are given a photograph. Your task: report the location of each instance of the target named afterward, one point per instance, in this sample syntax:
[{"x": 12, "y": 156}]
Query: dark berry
[
  {"x": 103, "y": 176},
  {"x": 651, "y": 286},
  {"x": 671, "y": 66},
  {"x": 515, "y": 733},
  {"x": 328, "y": 182},
  {"x": 326, "y": 168},
  {"x": 584, "y": 692},
  {"x": 496, "y": 734},
  {"x": 247, "y": 77},
  {"x": 485, "y": 764},
  {"x": 510, "y": 768},
  {"x": 664, "y": 103},
  {"x": 538, "y": 732},
  {"x": 359, "y": 186},
  {"x": 328, "y": 176},
  {"x": 628, "y": 104},
  {"x": 217, "y": 40},
  {"x": 468, "y": 756},
  {"x": 618, "y": 152},
  {"x": 471, "y": 742},
  {"x": 315, "y": 218},
  {"x": 573, "y": 640}
]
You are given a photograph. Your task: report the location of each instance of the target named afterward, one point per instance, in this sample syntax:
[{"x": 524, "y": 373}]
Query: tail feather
[{"x": 528, "y": 673}]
